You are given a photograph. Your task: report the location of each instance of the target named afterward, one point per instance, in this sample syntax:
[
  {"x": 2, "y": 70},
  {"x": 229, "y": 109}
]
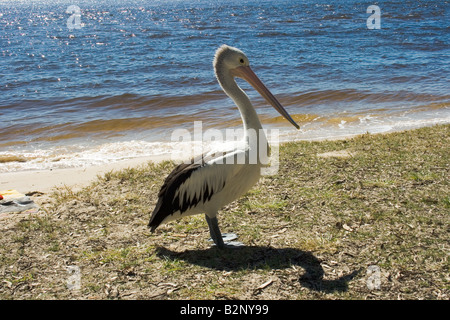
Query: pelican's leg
[
  {"x": 214, "y": 231},
  {"x": 217, "y": 236}
]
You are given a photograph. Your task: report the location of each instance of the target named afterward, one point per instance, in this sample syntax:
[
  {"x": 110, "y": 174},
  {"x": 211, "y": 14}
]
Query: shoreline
[{"x": 47, "y": 180}]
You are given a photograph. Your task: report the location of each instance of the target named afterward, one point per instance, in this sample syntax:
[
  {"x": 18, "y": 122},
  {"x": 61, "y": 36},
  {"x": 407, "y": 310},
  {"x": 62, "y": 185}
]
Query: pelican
[{"x": 208, "y": 185}]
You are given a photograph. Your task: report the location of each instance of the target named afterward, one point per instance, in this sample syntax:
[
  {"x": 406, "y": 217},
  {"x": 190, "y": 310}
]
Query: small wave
[
  {"x": 336, "y": 17},
  {"x": 271, "y": 34},
  {"x": 126, "y": 101},
  {"x": 352, "y": 95},
  {"x": 431, "y": 107},
  {"x": 11, "y": 158},
  {"x": 299, "y": 118},
  {"x": 159, "y": 35}
]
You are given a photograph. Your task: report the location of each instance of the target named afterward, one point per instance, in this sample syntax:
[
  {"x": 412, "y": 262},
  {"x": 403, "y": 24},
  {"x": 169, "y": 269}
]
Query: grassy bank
[{"x": 335, "y": 211}]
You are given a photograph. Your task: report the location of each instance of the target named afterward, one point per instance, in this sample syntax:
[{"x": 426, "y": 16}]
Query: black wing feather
[{"x": 167, "y": 203}]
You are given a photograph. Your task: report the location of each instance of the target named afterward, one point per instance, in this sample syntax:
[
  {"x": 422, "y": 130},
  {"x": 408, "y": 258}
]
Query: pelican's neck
[
  {"x": 240, "y": 98},
  {"x": 254, "y": 136}
]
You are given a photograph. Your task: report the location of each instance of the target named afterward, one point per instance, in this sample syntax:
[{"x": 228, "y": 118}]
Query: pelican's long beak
[{"x": 248, "y": 75}]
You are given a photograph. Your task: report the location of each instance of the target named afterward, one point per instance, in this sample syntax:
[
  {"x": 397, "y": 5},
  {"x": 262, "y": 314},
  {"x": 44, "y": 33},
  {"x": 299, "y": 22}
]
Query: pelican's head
[
  {"x": 230, "y": 58},
  {"x": 229, "y": 61}
]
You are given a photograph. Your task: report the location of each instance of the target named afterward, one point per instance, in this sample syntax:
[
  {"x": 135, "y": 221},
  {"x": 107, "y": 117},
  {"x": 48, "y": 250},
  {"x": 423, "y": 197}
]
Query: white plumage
[{"x": 207, "y": 184}]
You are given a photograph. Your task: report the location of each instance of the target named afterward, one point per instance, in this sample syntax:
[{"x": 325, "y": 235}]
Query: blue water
[{"x": 136, "y": 70}]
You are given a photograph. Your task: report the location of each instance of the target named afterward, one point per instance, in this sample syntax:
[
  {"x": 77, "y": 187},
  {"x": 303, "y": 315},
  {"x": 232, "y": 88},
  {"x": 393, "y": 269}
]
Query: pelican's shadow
[{"x": 253, "y": 258}]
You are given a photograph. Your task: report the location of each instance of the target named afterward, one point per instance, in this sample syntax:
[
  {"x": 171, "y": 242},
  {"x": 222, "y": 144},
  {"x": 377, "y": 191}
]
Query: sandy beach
[{"x": 45, "y": 181}]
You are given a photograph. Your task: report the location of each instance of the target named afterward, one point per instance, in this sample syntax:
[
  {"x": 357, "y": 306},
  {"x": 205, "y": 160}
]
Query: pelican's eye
[{"x": 241, "y": 61}]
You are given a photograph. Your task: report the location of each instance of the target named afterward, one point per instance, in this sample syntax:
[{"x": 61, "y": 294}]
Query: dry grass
[{"x": 311, "y": 231}]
